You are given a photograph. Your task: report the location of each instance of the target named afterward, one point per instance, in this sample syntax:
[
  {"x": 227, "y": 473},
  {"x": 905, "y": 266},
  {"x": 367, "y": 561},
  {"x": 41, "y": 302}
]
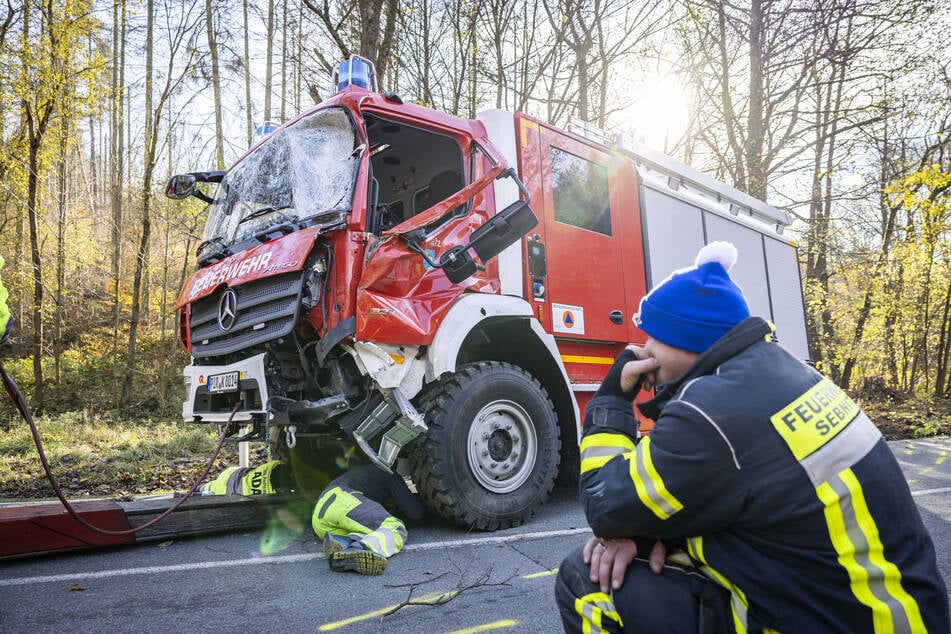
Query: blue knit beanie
[{"x": 696, "y": 305}]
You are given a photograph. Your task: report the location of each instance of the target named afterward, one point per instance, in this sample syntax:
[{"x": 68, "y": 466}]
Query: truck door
[{"x": 589, "y": 233}]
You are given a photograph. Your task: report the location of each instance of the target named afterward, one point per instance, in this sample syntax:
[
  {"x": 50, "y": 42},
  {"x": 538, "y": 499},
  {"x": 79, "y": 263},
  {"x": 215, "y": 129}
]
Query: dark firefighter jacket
[{"x": 778, "y": 486}]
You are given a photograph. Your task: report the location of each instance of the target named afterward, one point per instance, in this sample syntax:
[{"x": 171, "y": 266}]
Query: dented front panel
[{"x": 279, "y": 256}]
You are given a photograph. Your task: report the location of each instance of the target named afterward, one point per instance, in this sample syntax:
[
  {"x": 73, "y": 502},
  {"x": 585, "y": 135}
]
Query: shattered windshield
[{"x": 299, "y": 173}]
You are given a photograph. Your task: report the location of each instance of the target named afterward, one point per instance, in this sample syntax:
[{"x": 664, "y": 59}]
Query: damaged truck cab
[{"x": 348, "y": 297}]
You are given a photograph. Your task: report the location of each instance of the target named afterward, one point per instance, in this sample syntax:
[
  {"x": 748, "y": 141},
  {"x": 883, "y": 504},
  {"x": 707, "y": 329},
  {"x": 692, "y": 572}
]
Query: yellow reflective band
[
  {"x": 594, "y": 607},
  {"x": 597, "y": 449},
  {"x": 434, "y": 598},
  {"x": 814, "y": 418},
  {"x": 487, "y": 627},
  {"x": 739, "y": 604},
  {"x": 577, "y": 358},
  {"x": 649, "y": 485},
  {"x": 590, "y": 464},
  {"x": 875, "y": 581}
]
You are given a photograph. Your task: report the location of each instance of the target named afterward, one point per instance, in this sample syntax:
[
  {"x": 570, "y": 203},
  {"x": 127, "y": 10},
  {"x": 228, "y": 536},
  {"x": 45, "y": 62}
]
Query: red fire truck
[{"x": 383, "y": 282}]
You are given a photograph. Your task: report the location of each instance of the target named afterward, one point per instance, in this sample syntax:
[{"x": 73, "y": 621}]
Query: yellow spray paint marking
[
  {"x": 497, "y": 625},
  {"x": 941, "y": 457},
  {"x": 545, "y": 573},
  {"x": 430, "y": 598}
]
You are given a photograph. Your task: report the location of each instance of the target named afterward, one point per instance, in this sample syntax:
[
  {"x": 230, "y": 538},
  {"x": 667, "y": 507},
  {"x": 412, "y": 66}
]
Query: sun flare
[{"x": 658, "y": 112}]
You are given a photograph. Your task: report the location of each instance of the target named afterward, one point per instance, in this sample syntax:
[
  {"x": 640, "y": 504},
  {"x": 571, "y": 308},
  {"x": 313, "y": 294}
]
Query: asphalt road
[{"x": 493, "y": 582}]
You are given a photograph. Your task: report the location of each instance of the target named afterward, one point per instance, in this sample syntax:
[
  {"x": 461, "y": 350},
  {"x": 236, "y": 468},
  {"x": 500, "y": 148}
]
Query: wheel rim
[{"x": 502, "y": 446}]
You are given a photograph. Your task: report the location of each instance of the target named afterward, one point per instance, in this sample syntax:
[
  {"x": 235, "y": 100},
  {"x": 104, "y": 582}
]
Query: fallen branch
[{"x": 441, "y": 598}]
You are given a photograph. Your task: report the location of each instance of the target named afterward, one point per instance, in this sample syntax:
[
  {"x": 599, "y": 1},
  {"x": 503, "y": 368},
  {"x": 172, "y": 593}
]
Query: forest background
[{"x": 838, "y": 111}]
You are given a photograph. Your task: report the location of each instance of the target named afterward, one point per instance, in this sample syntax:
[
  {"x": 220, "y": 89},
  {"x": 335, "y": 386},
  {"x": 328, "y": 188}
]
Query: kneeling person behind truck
[{"x": 359, "y": 534}]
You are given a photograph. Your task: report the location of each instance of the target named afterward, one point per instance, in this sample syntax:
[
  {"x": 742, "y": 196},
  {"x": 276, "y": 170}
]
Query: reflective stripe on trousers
[
  {"x": 351, "y": 514},
  {"x": 593, "y": 609}
]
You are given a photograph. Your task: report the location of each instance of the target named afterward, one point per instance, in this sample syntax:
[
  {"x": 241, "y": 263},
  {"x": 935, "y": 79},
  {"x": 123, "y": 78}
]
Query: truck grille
[{"x": 266, "y": 310}]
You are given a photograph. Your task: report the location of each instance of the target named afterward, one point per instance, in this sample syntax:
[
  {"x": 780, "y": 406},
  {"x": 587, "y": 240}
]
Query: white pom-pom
[{"x": 722, "y": 252}]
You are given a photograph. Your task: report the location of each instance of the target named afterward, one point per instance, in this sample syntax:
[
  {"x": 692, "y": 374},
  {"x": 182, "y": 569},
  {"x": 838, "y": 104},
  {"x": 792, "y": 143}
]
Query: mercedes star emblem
[{"x": 227, "y": 310}]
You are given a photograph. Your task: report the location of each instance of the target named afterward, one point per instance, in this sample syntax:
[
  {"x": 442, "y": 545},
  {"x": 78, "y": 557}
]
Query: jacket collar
[{"x": 749, "y": 331}]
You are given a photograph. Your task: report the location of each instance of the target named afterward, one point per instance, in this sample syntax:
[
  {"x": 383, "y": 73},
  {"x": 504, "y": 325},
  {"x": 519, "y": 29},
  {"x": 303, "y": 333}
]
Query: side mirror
[
  {"x": 500, "y": 231},
  {"x": 503, "y": 229},
  {"x": 181, "y": 186}
]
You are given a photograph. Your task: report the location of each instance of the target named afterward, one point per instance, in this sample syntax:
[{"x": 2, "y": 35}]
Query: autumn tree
[{"x": 54, "y": 66}]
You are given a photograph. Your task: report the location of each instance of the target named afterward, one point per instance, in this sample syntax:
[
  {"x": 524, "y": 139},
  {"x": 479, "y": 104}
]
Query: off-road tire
[{"x": 486, "y": 411}]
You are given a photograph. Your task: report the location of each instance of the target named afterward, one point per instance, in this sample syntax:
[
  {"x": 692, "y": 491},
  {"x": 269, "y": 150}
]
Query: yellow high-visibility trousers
[{"x": 353, "y": 515}]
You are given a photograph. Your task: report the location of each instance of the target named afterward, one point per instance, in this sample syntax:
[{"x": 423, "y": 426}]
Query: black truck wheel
[{"x": 492, "y": 451}]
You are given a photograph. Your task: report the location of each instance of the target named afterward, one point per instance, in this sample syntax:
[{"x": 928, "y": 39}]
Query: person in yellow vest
[
  {"x": 358, "y": 532},
  {"x": 5, "y": 319}
]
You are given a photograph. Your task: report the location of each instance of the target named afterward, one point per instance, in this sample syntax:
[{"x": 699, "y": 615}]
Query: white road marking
[
  {"x": 930, "y": 491},
  {"x": 281, "y": 559}
]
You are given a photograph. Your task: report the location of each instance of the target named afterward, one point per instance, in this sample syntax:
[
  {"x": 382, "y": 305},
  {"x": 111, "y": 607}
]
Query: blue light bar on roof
[{"x": 356, "y": 71}]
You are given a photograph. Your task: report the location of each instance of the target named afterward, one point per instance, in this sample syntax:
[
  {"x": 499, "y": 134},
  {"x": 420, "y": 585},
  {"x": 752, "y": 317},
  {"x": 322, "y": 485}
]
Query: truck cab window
[
  {"x": 580, "y": 192},
  {"x": 415, "y": 169}
]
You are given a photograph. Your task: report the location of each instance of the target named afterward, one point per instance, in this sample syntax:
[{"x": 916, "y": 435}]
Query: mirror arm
[
  {"x": 203, "y": 197},
  {"x": 510, "y": 172}
]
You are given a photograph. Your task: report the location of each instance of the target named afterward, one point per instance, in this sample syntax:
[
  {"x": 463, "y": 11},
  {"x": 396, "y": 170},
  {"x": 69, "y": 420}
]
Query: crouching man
[{"x": 763, "y": 500}]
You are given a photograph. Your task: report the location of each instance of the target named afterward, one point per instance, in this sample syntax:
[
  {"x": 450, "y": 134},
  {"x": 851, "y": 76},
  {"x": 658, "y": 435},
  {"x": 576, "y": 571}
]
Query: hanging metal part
[
  {"x": 404, "y": 423},
  {"x": 291, "y": 436}
]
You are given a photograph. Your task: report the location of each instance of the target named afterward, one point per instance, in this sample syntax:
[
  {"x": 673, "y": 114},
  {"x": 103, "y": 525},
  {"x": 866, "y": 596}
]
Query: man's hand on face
[
  {"x": 632, "y": 370},
  {"x": 609, "y": 559}
]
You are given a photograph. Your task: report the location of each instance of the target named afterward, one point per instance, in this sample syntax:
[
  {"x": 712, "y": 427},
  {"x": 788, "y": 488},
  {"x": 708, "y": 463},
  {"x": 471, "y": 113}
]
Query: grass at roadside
[{"x": 97, "y": 456}]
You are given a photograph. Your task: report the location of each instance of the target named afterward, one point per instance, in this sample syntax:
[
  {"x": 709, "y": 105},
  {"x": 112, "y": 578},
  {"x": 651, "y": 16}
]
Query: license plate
[{"x": 220, "y": 383}]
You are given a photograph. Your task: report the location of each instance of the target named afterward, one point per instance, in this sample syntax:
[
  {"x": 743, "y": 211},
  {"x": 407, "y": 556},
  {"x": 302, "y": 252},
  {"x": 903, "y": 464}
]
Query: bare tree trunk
[
  {"x": 284, "y": 64},
  {"x": 36, "y": 130},
  {"x": 755, "y": 126},
  {"x": 61, "y": 184},
  {"x": 268, "y": 84},
  {"x": 117, "y": 160},
  {"x": 298, "y": 59},
  {"x": 164, "y": 363},
  {"x": 247, "y": 78},
  {"x": 375, "y": 36},
  {"x": 215, "y": 83},
  {"x": 943, "y": 358},
  {"x": 141, "y": 264}
]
